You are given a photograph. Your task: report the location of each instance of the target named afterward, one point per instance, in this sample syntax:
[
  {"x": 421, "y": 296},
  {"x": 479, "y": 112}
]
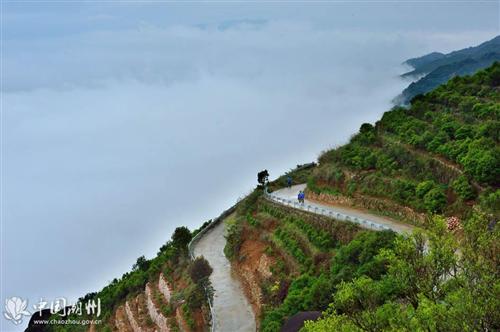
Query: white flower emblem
[{"x": 15, "y": 309}]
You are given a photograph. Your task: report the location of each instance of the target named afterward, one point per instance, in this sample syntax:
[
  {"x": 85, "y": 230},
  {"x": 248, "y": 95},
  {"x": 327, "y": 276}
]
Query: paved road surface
[
  {"x": 233, "y": 312},
  {"x": 288, "y": 196}
]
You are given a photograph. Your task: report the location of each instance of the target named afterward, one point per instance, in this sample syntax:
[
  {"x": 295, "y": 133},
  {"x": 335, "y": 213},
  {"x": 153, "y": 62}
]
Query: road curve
[
  {"x": 232, "y": 311},
  {"x": 288, "y": 196}
]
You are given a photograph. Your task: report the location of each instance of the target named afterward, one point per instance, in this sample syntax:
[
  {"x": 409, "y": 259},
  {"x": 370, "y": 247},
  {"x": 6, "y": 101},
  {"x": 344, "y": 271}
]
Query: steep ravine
[{"x": 233, "y": 312}]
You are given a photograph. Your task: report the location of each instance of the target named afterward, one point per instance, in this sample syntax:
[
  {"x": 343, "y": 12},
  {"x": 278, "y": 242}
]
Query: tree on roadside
[
  {"x": 181, "y": 237},
  {"x": 200, "y": 270},
  {"x": 262, "y": 177}
]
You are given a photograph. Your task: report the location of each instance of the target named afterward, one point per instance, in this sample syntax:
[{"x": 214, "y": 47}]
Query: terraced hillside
[
  {"x": 438, "y": 156},
  {"x": 434, "y": 166},
  {"x": 166, "y": 293},
  {"x": 289, "y": 260}
]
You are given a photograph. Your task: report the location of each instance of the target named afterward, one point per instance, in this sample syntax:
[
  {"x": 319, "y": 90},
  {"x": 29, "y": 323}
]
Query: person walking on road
[{"x": 301, "y": 196}]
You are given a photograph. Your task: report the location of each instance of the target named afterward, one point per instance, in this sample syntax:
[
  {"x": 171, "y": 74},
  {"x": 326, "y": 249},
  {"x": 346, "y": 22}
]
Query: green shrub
[
  {"x": 463, "y": 188},
  {"x": 233, "y": 241},
  {"x": 252, "y": 221},
  {"x": 435, "y": 200},
  {"x": 200, "y": 269},
  {"x": 424, "y": 187},
  {"x": 181, "y": 237},
  {"x": 291, "y": 245}
]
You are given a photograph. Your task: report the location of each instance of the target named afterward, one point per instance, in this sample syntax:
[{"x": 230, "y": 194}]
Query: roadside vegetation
[
  {"x": 188, "y": 280},
  {"x": 311, "y": 256},
  {"x": 452, "y": 287}
]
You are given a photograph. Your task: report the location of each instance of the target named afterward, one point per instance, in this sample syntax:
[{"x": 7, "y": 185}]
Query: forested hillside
[
  {"x": 434, "y": 165},
  {"x": 440, "y": 157},
  {"x": 437, "y": 68},
  {"x": 435, "y": 157},
  {"x": 432, "y": 61}
]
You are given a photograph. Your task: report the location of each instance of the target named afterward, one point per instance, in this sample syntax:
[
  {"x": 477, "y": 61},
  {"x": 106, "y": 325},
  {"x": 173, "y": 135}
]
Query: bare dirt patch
[
  {"x": 199, "y": 320},
  {"x": 121, "y": 321},
  {"x": 252, "y": 269}
]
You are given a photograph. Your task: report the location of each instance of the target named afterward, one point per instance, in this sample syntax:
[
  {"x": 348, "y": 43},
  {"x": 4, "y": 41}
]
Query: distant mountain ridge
[
  {"x": 420, "y": 61},
  {"x": 430, "y": 62},
  {"x": 437, "y": 68}
]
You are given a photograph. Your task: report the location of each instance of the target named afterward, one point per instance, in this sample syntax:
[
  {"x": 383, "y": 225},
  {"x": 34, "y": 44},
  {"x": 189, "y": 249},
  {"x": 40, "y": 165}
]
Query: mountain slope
[
  {"x": 160, "y": 294},
  {"x": 430, "y": 62},
  {"x": 434, "y": 165},
  {"x": 436, "y": 156},
  {"x": 423, "y": 60},
  {"x": 436, "y": 68}
]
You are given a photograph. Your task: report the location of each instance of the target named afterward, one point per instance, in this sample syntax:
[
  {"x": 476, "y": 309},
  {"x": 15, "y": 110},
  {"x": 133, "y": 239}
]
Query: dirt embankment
[
  {"x": 367, "y": 204},
  {"x": 252, "y": 269}
]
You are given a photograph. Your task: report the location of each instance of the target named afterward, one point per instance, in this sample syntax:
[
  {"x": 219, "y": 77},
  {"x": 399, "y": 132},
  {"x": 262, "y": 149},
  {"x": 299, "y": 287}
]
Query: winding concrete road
[
  {"x": 288, "y": 196},
  {"x": 232, "y": 311}
]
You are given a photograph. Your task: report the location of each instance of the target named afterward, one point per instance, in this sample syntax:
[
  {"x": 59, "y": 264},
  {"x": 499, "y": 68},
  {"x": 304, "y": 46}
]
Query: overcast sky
[{"x": 122, "y": 121}]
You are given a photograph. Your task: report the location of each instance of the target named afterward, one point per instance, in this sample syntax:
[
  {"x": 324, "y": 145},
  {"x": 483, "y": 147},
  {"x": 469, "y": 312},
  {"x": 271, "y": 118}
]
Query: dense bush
[
  {"x": 463, "y": 188},
  {"x": 195, "y": 296},
  {"x": 200, "y": 269},
  {"x": 314, "y": 292},
  {"x": 181, "y": 238},
  {"x": 435, "y": 200},
  {"x": 424, "y": 187},
  {"x": 233, "y": 241},
  {"x": 305, "y": 293},
  {"x": 321, "y": 239},
  {"x": 291, "y": 245},
  {"x": 482, "y": 161},
  {"x": 356, "y": 258}
]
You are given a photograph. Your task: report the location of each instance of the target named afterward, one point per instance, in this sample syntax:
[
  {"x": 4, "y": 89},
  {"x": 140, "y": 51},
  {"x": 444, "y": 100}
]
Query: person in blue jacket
[
  {"x": 301, "y": 196},
  {"x": 289, "y": 181}
]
